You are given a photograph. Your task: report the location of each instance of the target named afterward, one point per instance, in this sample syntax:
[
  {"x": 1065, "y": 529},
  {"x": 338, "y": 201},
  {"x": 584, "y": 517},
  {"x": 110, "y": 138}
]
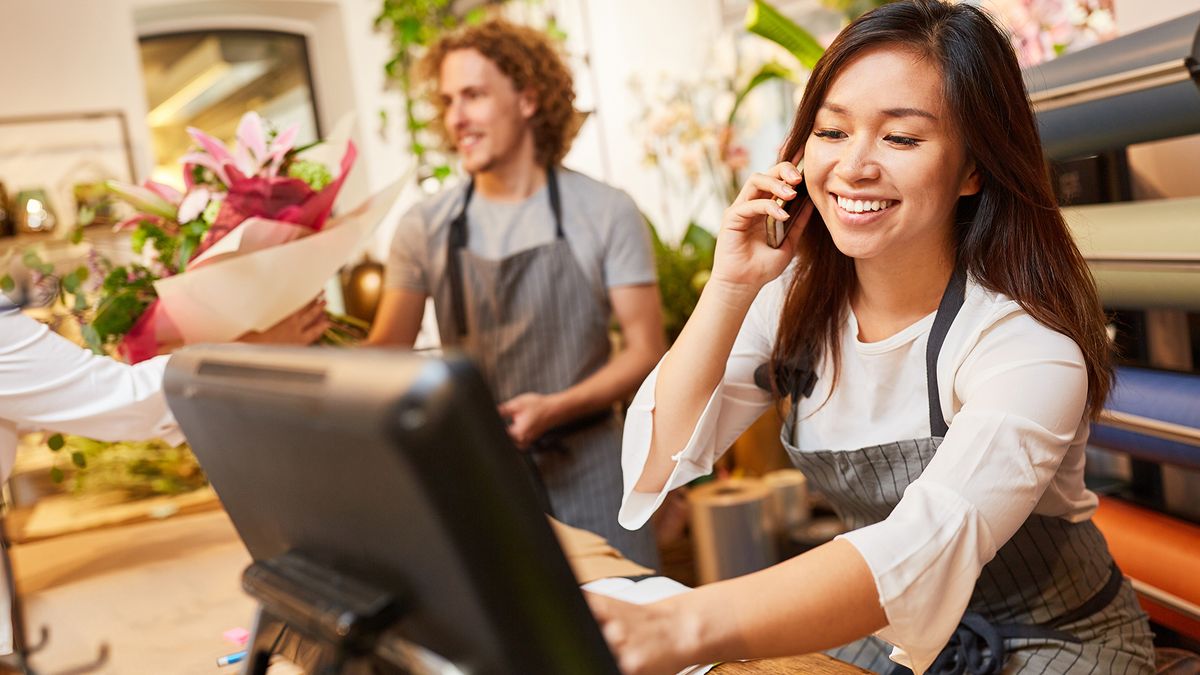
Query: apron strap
[
  {"x": 457, "y": 240},
  {"x": 952, "y": 301},
  {"x": 555, "y": 200},
  {"x": 977, "y": 645}
]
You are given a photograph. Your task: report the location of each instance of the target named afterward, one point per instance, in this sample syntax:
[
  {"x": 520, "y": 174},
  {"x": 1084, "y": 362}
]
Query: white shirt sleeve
[
  {"x": 734, "y": 405},
  {"x": 1023, "y": 389},
  {"x": 49, "y": 382}
]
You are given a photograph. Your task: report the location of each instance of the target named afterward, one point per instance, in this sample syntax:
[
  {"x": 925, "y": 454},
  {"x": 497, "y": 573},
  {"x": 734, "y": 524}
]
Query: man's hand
[
  {"x": 300, "y": 328},
  {"x": 532, "y": 415}
]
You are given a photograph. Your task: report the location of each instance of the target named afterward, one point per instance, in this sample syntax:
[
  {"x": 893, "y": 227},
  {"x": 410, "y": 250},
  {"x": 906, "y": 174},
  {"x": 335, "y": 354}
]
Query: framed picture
[{"x": 52, "y": 166}]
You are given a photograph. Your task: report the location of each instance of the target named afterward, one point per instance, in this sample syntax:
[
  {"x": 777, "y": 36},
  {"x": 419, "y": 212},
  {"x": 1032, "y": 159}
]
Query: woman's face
[{"x": 884, "y": 163}]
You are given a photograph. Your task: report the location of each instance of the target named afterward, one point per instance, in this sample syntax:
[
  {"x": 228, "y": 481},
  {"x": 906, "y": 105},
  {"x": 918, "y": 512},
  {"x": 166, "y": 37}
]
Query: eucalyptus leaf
[{"x": 91, "y": 338}]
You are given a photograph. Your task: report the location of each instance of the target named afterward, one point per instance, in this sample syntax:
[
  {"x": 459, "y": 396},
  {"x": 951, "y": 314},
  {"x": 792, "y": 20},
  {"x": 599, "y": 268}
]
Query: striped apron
[
  {"x": 533, "y": 322},
  {"x": 1051, "y": 601}
]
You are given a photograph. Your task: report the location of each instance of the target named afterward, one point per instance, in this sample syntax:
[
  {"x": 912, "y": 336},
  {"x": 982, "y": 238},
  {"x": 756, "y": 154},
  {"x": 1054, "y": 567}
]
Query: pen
[{"x": 230, "y": 659}]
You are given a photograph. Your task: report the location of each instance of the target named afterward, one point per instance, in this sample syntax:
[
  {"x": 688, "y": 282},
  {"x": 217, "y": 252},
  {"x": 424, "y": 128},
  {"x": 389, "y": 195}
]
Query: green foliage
[
  {"x": 138, "y": 468},
  {"x": 852, "y": 9},
  {"x": 682, "y": 272},
  {"x": 414, "y": 25},
  {"x": 316, "y": 174},
  {"x": 769, "y": 72},
  {"x": 764, "y": 20}
]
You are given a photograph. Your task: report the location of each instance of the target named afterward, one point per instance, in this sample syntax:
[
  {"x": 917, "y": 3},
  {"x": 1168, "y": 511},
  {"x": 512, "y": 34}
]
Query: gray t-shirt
[{"x": 601, "y": 224}]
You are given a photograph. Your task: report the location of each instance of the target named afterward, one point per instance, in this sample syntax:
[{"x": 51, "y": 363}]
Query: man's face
[{"x": 486, "y": 118}]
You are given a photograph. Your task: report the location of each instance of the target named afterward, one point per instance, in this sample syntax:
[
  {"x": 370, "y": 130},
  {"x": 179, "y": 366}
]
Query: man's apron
[
  {"x": 1051, "y": 601},
  {"x": 534, "y": 323}
]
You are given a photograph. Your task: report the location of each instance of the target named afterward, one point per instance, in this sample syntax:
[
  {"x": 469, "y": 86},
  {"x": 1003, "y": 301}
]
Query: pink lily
[
  {"x": 154, "y": 199},
  {"x": 214, "y": 157},
  {"x": 194, "y": 204}
]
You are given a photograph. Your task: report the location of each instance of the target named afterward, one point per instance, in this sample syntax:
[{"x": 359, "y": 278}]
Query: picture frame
[{"x": 64, "y": 158}]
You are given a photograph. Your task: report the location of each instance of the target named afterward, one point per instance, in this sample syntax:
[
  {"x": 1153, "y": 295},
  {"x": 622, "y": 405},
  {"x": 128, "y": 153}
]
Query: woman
[{"x": 941, "y": 349}]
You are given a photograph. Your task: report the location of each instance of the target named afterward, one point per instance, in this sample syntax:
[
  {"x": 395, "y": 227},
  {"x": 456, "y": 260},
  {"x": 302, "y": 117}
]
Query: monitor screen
[{"x": 394, "y": 469}]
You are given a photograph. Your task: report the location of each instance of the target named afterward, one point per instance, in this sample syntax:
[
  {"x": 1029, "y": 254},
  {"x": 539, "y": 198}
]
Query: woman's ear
[{"x": 973, "y": 182}]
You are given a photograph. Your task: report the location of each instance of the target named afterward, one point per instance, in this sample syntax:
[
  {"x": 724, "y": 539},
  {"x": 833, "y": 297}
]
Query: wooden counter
[{"x": 161, "y": 593}]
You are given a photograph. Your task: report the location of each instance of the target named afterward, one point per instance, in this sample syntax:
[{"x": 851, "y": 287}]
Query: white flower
[
  {"x": 1077, "y": 14},
  {"x": 1102, "y": 22}
]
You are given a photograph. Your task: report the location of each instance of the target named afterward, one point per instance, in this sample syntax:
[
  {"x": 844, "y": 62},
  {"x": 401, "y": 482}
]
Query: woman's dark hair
[{"x": 1010, "y": 236}]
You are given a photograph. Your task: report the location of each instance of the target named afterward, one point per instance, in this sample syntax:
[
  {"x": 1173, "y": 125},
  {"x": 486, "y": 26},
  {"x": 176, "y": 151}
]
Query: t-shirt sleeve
[
  {"x": 629, "y": 253},
  {"x": 1023, "y": 389},
  {"x": 408, "y": 257}
]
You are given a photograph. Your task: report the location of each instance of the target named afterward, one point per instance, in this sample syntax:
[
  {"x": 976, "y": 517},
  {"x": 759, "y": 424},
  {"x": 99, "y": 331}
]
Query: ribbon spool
[
  {"x": 731, "y": 528},
  {"x": 787, "y": 506}
]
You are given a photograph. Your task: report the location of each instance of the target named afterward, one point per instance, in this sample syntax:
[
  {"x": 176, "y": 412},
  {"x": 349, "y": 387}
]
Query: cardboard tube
[{"x": 731, "y": 528}]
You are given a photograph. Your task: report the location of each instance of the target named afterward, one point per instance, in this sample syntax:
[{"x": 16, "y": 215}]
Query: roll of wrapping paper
[
  {"x": 787, "y": 506},
  {"x": 731, "y": 528},
  {"x": 1144, "y": 254}
]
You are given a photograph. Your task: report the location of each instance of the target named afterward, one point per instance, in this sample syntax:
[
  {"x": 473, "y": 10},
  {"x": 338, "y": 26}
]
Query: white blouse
[
  {"x": 48, "y": 382},
  {"x": 1013, "y": 392}
]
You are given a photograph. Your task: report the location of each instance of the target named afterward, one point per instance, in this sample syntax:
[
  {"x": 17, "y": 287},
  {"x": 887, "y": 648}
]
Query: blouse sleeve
[
  {"x": 734, "y": 405},
  {"x": 1023, "y": 389},
  {"x": 49, "y": 382}
]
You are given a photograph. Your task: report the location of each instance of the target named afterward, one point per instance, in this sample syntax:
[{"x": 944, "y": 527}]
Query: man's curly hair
[{"x": 531, "y": 61}]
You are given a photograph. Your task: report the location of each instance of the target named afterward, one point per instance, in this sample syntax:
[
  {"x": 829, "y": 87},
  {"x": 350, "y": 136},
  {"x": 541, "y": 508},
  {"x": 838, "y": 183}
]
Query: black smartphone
[{"x": 777, "y": 230}]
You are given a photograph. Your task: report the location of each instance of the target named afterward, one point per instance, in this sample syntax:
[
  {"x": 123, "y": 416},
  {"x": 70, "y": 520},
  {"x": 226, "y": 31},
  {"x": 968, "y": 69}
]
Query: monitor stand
[{"x": 343, "y": 615}]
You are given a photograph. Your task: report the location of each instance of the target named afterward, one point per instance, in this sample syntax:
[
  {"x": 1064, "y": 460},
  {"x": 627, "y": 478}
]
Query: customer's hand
[
  {"x": 302, "y": 327},
  {"x": 531, "y": 416},
  {"x": 645, "y": 639},
  {"x": 742, "y": 256}
]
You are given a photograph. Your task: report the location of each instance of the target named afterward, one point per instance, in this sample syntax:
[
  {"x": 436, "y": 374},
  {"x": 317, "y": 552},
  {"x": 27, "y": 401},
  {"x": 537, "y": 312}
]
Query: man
[{"x": 527, "y": 263}]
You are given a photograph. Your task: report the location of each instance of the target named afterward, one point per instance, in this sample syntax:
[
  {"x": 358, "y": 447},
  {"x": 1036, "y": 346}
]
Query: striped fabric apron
[
  {"x": 1051, "y": 601},
  {"x": 533, "y": 322}
]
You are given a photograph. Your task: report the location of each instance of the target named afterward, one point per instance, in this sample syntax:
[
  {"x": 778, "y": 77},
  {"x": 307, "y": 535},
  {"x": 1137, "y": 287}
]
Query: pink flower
[{"x": 253, "y": 153}]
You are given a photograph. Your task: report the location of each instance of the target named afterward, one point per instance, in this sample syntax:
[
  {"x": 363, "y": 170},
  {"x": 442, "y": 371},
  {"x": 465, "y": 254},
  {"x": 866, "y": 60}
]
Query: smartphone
[{"x": 777, "y": 230}]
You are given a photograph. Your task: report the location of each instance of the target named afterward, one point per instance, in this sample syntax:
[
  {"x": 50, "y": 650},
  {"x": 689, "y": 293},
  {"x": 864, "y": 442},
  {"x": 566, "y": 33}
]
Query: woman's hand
[
  {"x": 645, "y": 639},
  {"x": 302, "y": 327},
  {"x": 743, "y": 258}
]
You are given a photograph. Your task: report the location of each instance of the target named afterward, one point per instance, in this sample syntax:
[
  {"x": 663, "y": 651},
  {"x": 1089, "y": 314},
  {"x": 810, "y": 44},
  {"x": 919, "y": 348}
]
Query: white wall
[
  {"x": 65, "y": 56},
  {"x": 624, "y": 38}
]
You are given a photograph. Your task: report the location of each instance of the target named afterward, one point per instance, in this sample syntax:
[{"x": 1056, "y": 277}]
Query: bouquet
[
  {"x": 263, "y": 193},
  {"x": 249, "y": 242}
]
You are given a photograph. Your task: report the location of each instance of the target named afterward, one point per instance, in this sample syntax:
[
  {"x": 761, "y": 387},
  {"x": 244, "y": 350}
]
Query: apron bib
[
  {"x": 1051, "y": 601},
  {"x": 533, "y": 322}
]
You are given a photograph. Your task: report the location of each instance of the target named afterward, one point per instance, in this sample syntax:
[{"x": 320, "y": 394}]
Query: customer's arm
[
  {"x": 398, "y": 320},
  {"x": 638, "y": 311},
  {"x": 49, "y": 382}
]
